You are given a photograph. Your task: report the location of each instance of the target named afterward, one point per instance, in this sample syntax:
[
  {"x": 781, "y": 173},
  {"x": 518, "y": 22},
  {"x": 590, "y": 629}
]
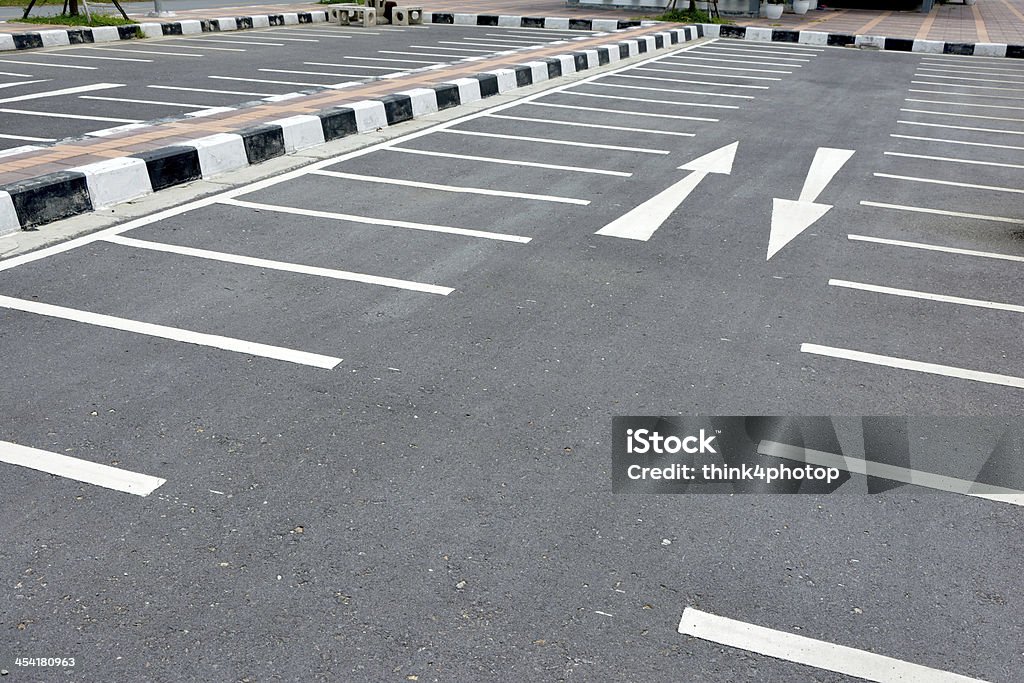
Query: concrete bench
[
  {"x": 407, "y": 16},
  {"x": 354, "y": 15}
]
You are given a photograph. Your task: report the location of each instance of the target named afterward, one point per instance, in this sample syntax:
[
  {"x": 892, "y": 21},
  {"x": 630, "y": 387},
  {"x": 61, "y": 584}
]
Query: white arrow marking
[
  {"x": 644, "y": 220},
  {"x": 790, "y": 218}
]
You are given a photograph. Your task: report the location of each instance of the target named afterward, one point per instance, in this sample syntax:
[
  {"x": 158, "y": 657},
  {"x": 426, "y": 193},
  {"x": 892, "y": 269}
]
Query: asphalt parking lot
[
  {"x": 53, "y": 94},
  {"x": 377, "y": 391}
]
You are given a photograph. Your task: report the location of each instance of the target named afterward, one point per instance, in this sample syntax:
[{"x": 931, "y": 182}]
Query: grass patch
[
  {"x": 687, "y": 16},
  {"x": 80, "y": 20},
  {"x": 332, "y": 2},
  {"x": 24, "y": 3}
]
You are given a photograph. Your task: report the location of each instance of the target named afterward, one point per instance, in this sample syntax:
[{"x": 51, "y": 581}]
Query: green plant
[{"x": 78, "y": 20}]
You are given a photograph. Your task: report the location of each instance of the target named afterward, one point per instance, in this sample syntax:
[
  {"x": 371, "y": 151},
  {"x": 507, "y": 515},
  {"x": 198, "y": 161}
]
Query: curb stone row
[
  {"x": 775, "y": 35},
  {"x": 36, "y": 201}
]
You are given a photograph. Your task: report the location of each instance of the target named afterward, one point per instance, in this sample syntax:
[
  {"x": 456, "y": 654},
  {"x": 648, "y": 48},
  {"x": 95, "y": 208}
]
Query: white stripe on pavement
[
  {"x": 933, "y": 181},
  {"x": 450, "y": 188},
  {"x": 810, "y": 652},
  {"x": 946, "y": 125},
  {"x": 648, "y": 101},
  {"x": 965, "y": 104},
  {"x": 973, "y": 162},
  {"x": 725, "y": 68},
  {"x": 141, "y": 52},
  {"x": 63, "y": 91},
  {"x": 689, "y": 92},
  {"x": 155, "y": 102},
  {"x": 510, "y": 162},
  {"x": 966, "y": 94},
  {"x": 26, "y": 138},
  {"x": 591, "y": 125},
  {"x": 609, "y": 111},
  {"x": 928, "y": 296},
  {"x": 80, "y": 470},
  {"x": 729, "y": 85},
  {"x": 209, "y": 90},
  {"x": 936, "y": 247},
  {"x": 914, "y": 365},
  {"x": 56, "y": 115},
  {"x": 955, "y": 142},
  {"x": 280, "y": 265},
  {"x": 55, "y": 66},
  {"x": 944, "y": 212},
  {"x": 961, "y": 115},
  {"x": 172, "y": 333},
  {"x": 569, "y": 143},
  {"x": 501, "y": 237}
]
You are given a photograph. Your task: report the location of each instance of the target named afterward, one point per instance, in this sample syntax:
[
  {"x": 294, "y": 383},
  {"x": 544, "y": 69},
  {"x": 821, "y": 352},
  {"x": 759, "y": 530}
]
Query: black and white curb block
[
  {"x": 103, "y": 34},
  {"x": 937, "y": 47},
  {"x": 511, "y": 21},
  {"x": 29, "y": 203}
]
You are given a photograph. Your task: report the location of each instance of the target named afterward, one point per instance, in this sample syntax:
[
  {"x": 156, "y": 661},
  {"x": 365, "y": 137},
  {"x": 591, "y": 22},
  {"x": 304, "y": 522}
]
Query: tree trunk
[{"x": 73, "y": 8}]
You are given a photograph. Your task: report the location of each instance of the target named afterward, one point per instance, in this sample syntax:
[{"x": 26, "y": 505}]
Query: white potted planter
[
  {"x": 773, "y": 10},
  {"x": 801, "y": 6}
]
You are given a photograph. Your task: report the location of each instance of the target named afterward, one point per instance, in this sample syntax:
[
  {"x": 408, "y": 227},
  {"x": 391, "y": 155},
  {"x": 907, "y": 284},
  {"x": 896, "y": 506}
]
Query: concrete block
[
  {"x": 190, "y": 26},
  {"x": 758, "y": 34},
  {"x": 117, "y": 180},
  {"x": 220, "y": 153},
  {"x": 424, "y": 101},
  {"x": 469, "y": 89},
  {"x": 150, "y": 30},
  {"x": 8, "y": 216},
  {"x": 510, "y": 21},
  {"x": 929, "y": 46},
  {"x": 105, "y": 34},
  {"x": 260, "y": 21},
  {"x": 811, "y": 38},
  {"x": 465, "y": 19},
  {"x": 370, "y": 115},
  {"x": 300, "y": 131},
  {"x": 54, "y": 37},
  {"x": 990, "y": 49},
  {"x": 556, "y": 23}
]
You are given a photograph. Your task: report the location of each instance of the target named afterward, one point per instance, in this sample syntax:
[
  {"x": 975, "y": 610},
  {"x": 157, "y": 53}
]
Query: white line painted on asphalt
[
  {"x": 933, "y": 181},
  {"x": 973, "y": 87},
  {"x": 966, "y": 94},
  {"x": 973, "y": 80},
  {"x": 208, "y": 47},
  {"x": 8, "y": 73},
  {"x": 987, "y": 71},
  {"x": 511, "y": 162},
  {"x": 79, "y": 470},
  {"x": 142, "y": 52},
  {"x": 870, "y": 468},
  {"x": 913, "y": 365},
  {"x": 63, "y": 91},
  {"x": 667, "y": 80},
  {"x": 943, "y": 212},
  {"x": 623, "y": 112},
  {"x": 421, "y": 54},
  {"x": 357, "y": 66},
  {"x": 259, "y": 80},
  {"x": 154, "y": 102},
  {"x": 55, "y": 66},
  {"x": 172, "y": 333},
  {"x": 517, "y": 41},
  {"x": 591, "y": 125},
  {"x": 453, "y": 49},
  {"x": 56, "y": 115},
  {"x": 26, "y": 138},
  {"x": 955, "y": 142},
  {"x": 316, "y": 73},
  {"x": 501, "y": 237},
  {"x": 711, "y": 83},
  {"x": 234, "y": 42},
  {"x": 965, "y": 104},
  {"x": 117, "y": 130},
  {"x": 641, "y": 222},
  {"x": 480, "y": 43},
  {"x": 570, "y": 143},
  {"x": 756, "y": 54},
  {"x": 450, "y": 188},
  {"x": 639, "y": 99},
  {"x": 724, "y": 84},
  {"x": 688, "y": 63},
  {"x": 384, "y": 59},
  {"x": 946, "y": 125},
  {"x": 280, "y": 265},
  {"x": 285, "y": 39},
  {"x": 810, "y": 652},
  {"x": 973, "y": 162},
  {"x": 961, "y": 115},
  {"x": 695, "y": 56},
  {"x": 15, "y": 84},
  {"x": 936, "y": 247},
  {"x": 210, "y": 90},
  {"x": 914, "y": 294},
  {"x": 106, "y": 59}
]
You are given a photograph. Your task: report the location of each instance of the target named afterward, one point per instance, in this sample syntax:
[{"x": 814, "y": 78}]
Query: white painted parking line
[
  {"x": 172, "y": 333},
  {"x": 453, "y": 49},
  {"x": 810, "y": 652},
  {"x": 57, "y": 115},
  {"x": 357, "y": 66},
  {"x": 913, "y": 365},
  {"x": 723, "y": 68},
  {"x": 280, "y": 265},
  {"x": 209, "y": 90},
  {"x": 966, "y": 94},
  {"x": 944, "y": 212},
  {"x": 962, "y": 115},
  {"x": 548, "y": 141},
  {"x": 384, "y": 59},
  {"x": 965, "y": 104},
  {"x": 701, "y": 73},
  {"x": 492, "y": 45},
  {"x": 640, "y": 99},
  {"x": 258, "y": 80},
  {"x": 8, "y": 73},
  {"x": 988, "y": 71},
  {"x": 870, "y": 468},
  {"x": 450, "y": 188},
  {"x": 973, "y": 87},
  {"x": 944, "y": 125},
  {"x": 609, "y": 111},
  {"x": 77, "y": 56},
  {"x": 313, "y": 73},
  {"x": 962, "y": 78},
  {"x": 755, "y": 55},
  {"x": 4, "y": 86},
  {"x": 153, "y": 102},
  {"x": 256, "y": 40},
  {"x": 510, "y": 162},
  {"x": 928, "y": 296},
  {"x": 936, "y": 247},
  {"x": 466, "y": 232},
  {"x": 25, "y": 138},
  {"x": 973, "y": 162},
  {"x": 934, "y": 181},
  {"x": 591, "y": 125},
  {"x": 423, "y": 54},
  {"x": 682, "y": 80},
  {"x": 61, "y": 92},
  {"x": 516, "y": 42},
  {"x": 79, "y": 470},
  {"x": 47, "y": 64},
  {"x": 691, "y": 57},
  {"x": 955, "y": 142},
  {"x": 288, "y": 40},
  {"x": 208, "y": 47},
  {"x": 667, "y": 80},
  {"x": 142, "y": 52}
]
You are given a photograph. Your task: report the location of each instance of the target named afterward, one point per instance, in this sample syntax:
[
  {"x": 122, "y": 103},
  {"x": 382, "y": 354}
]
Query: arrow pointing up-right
[{"x": 790, "y": 218}]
